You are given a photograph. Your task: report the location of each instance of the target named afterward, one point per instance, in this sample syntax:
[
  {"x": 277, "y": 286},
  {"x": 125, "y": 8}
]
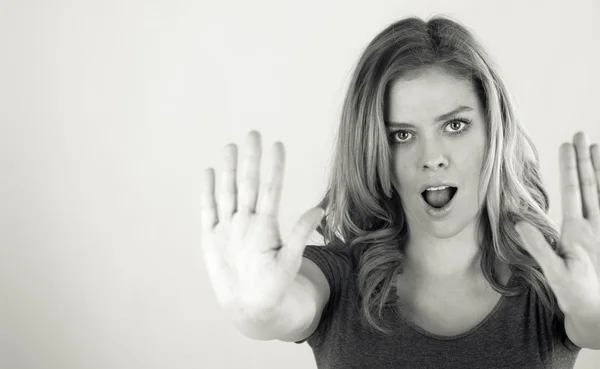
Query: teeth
[{"x": 437, "y": 188}]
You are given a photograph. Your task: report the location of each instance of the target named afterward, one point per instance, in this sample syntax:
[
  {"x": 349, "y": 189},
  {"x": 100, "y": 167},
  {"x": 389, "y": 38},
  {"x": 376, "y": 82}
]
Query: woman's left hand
[{"x": 574, "y": 275}]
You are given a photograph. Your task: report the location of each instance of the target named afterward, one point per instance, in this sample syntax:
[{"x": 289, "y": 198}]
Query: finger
[
  {"x": 587, "y": 177},
  {"x": 595, "y": 154},
  {"x": 291, "y": 254},
  {"x": 534, "y": 242},
  {"x": 249, "y": 174},
  {"x": 213, "y": 261},
  {"x": 271, "y": 189},
  {"x": 208, "y": 205},
  {"x": 569, "y": 183},
  {"x": 228, "y": 189}
]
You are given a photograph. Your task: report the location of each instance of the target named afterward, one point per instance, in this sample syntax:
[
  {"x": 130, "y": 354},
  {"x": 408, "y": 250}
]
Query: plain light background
[{"x": 111, "y": 111}]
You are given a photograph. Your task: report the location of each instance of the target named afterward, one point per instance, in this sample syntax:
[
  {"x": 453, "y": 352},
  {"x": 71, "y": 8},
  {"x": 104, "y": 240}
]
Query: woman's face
[{"x": 437, "y": 131}]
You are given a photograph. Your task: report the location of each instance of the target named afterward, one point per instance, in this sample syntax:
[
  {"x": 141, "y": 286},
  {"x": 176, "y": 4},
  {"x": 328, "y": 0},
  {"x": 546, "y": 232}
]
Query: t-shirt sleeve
[{"x": 336, "y": 266}]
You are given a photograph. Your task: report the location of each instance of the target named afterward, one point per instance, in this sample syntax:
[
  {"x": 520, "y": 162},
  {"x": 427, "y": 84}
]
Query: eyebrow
[{"x": 440, "y": 118}]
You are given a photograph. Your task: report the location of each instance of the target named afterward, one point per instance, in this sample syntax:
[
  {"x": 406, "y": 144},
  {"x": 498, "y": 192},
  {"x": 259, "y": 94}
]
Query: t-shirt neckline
[{"x": 470, "y": 331}]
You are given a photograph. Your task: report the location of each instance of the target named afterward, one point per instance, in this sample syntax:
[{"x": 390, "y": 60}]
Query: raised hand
[
  {"x": 575, "y": 276},
  {"x": 249, "y": 266}
]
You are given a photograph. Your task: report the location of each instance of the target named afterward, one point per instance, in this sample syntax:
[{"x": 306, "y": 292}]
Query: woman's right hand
[{"x": 249, "y": 266}]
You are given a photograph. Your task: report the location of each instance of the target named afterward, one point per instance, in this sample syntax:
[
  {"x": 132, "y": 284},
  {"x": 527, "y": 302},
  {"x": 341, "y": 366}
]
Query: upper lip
[{"x": 437, "y": 183}]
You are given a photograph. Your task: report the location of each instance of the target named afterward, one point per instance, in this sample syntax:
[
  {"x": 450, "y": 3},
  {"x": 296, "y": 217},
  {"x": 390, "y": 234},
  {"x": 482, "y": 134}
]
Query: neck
[{"x": 452, "y": 259}]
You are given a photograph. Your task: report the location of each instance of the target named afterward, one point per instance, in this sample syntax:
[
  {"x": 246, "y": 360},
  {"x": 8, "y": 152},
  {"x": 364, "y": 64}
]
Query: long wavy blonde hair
[{"x": 364, "y": 215}]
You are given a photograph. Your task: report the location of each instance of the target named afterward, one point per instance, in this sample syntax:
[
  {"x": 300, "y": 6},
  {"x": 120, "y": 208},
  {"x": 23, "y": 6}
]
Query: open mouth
[{"x": 438, "y": 198}]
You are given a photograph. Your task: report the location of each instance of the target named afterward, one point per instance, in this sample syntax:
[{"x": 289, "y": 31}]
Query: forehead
[{"x": 428, "y": 94}]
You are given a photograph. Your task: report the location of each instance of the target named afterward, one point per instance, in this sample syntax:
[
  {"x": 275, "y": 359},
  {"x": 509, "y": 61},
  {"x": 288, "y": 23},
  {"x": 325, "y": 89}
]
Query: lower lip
[{"x": 438, "y": 212}]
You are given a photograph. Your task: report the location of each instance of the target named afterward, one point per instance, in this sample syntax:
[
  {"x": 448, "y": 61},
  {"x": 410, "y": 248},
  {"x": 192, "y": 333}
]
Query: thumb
[
  {"x": 291, "y": 253},
  {"x": 535, "y": 243}
]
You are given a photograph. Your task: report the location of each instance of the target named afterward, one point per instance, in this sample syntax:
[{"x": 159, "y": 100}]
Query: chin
[
  {"x": 456, "y": 222},
  {"x": 444, "y": 230}
]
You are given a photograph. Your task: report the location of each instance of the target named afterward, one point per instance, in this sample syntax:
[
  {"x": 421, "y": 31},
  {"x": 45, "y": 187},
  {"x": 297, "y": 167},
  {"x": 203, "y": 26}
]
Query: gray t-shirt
[{"x": 518, "y": 333}]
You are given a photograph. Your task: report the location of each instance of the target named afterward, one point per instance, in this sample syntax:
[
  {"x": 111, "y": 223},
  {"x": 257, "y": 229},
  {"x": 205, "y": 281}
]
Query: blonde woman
[{"x": 439, "y": 250}]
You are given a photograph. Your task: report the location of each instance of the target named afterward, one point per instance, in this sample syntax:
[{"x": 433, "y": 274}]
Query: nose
[
  {"x": 434, "y": 157},
  {"x": 436, "y": 163}
]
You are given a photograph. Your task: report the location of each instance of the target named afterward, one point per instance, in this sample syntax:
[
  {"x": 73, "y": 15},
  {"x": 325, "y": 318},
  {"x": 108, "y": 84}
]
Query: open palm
[{"x": 574, "y": 275}]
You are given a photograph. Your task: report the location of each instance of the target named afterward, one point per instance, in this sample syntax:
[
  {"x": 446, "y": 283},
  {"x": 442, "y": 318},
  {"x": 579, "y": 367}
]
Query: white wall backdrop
[{"x": 111, "y": 110}]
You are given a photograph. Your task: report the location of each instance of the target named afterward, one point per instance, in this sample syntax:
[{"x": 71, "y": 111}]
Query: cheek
[
  {"x": 469, "y": 158},
  {"x": 401, "y": 173},
  {"x": 471, "y": 170},
  {"x": 470, "y": 164}
]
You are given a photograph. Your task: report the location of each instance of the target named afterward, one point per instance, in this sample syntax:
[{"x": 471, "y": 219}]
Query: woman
[{"x": 440, "y": 252}]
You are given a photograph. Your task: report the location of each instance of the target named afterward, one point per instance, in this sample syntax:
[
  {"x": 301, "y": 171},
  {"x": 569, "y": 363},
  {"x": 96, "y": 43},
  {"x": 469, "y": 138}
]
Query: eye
[
  {"x": 455, "y": 125},
  {"x": 458, "y": 126},
  {"x": 400, "y": 136}
]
